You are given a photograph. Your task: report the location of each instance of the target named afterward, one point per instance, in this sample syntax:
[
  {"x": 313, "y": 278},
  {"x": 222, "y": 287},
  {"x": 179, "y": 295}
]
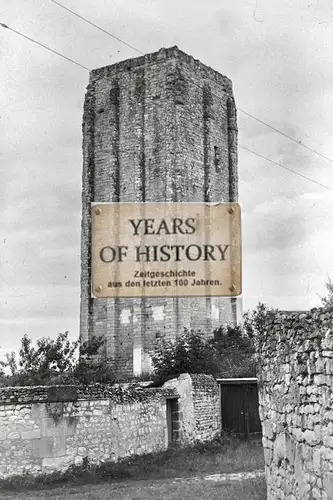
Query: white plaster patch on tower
[
  {"x": 215, "y": 311},
  {"x": 125, "y": 316},
  {"x": 147, "y": 363},
  {"x": 158, "y": 313},
  {"x": 137, "y": 359}
]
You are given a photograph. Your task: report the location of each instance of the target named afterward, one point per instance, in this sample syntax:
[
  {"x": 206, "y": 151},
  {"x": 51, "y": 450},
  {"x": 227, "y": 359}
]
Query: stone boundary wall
[
  {"x": 118, "y": 393},
  {"x": 48, "y": 429},
  {"x": 295, "y": 382}
]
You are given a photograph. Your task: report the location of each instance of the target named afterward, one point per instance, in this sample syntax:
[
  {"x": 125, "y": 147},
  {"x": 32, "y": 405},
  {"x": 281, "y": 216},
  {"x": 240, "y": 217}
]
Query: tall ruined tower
[{"x": 157, "y": 128}]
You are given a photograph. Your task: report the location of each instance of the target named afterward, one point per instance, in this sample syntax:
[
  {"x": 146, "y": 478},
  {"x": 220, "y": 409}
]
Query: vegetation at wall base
[
  {"x": 224, "y": 454},
  {"x": 55, "y": 362},
  {"x": 229, "y": 353}
]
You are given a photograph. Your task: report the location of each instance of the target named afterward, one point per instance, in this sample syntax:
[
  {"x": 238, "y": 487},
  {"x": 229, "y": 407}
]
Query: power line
[
  {"x": 299, "y": 143},
  {"x": 286, "y": 168},
  {"x": 44, "y": 46},
  {"x": 96, "y": 26},
  {"x": 243, "y": 147}
]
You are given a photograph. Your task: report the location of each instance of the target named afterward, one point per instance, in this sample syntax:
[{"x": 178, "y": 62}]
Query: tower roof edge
[{"x": 154, "y": 58}]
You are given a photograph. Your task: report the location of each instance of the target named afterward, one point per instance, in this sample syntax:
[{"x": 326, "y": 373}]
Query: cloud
[
  {"x": 35, "y": 327},
  {"x": 40, "y": 301},
  {"x": 281, "y": 73}
]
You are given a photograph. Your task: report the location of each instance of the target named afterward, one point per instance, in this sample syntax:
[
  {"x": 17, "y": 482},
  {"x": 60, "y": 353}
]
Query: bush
[
  {"x": 190, "y": 353},
  {"x": 234, "y": 351},
  {"x": 55, "y": 362},
  {"x": 256, "y": 321},
  {"x": 229, "y": 354}
]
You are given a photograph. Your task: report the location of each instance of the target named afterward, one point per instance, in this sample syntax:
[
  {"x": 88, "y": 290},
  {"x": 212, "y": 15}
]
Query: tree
[
  {"x": 11, "y": 363},
  {"x": 234, "y": 350},
  {"x": 49, "y": 359},
  {"x": 255, "y": 322},
  {"x": 57, "y": 362},
  {"x": 2, "y": 371},
  {"x": 328, "y": 300},
  {"x": 50, "y": 356},
  {"x": 189, "y": 353},
  {"x": 93, "y": 365},
  {"x": 229, "y": 354}
]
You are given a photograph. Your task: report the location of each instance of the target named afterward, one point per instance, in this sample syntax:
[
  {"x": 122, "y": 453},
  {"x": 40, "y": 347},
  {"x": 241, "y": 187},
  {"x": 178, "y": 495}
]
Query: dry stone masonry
[
  {"x": 48, "y": 429},
  {"x": 295, "y": 379},
  {"x": 199, "y": 400},
  {"x": 206, "y": 401},
  {"x": 157, "y": 128}
]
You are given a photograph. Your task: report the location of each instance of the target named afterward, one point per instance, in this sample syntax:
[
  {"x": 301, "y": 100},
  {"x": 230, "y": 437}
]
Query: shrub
[
  {"x": 234, "y": 351},
  {"x": 190, "y": 353},
  {"x": 229, "y": 354},
  {"x": 255, "y": 321},
  {"x": 55, "y": 362}
]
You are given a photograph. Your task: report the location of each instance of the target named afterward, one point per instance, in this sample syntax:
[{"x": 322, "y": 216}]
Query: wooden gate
[{"x": 240, "y": 406}]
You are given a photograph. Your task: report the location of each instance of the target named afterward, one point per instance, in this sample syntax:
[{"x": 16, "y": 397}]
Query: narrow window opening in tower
[{"x": 217, "y": 158}]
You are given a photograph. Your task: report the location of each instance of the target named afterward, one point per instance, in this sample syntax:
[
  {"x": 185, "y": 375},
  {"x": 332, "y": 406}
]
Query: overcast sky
[{"x": 279, "y": 56}]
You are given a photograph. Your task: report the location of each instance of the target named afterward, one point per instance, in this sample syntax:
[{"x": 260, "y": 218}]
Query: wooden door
[{"x": 240, "y": 408}]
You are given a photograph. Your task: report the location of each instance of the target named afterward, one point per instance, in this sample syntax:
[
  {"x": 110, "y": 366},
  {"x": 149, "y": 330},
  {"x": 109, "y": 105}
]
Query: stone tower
[{"x": 161, "y": 127}]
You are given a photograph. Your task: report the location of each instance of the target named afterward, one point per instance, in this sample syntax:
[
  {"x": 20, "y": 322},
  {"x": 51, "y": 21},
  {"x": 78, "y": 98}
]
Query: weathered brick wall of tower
[{"x": 161, "y": 127}]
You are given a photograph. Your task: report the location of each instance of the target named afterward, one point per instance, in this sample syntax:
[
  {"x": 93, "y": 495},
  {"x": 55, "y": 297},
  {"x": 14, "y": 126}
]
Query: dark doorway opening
[{"x": 240, "y": 406}]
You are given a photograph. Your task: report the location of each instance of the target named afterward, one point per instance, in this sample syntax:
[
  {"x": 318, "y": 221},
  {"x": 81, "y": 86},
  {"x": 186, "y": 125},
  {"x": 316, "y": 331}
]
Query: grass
[
  {"x": 251, "y": 489},
  {"x": 88, "y": 482}
]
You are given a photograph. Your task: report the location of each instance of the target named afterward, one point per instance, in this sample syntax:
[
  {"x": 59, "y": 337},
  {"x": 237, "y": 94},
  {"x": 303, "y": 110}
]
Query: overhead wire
[
  {"x": 286, "y": 168},
  {"x": 44, "y": 46},
  {"x": 243, "y": 147},
  {"x": 299, "y": 143},
  {"x": 96, "y": 26}
]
